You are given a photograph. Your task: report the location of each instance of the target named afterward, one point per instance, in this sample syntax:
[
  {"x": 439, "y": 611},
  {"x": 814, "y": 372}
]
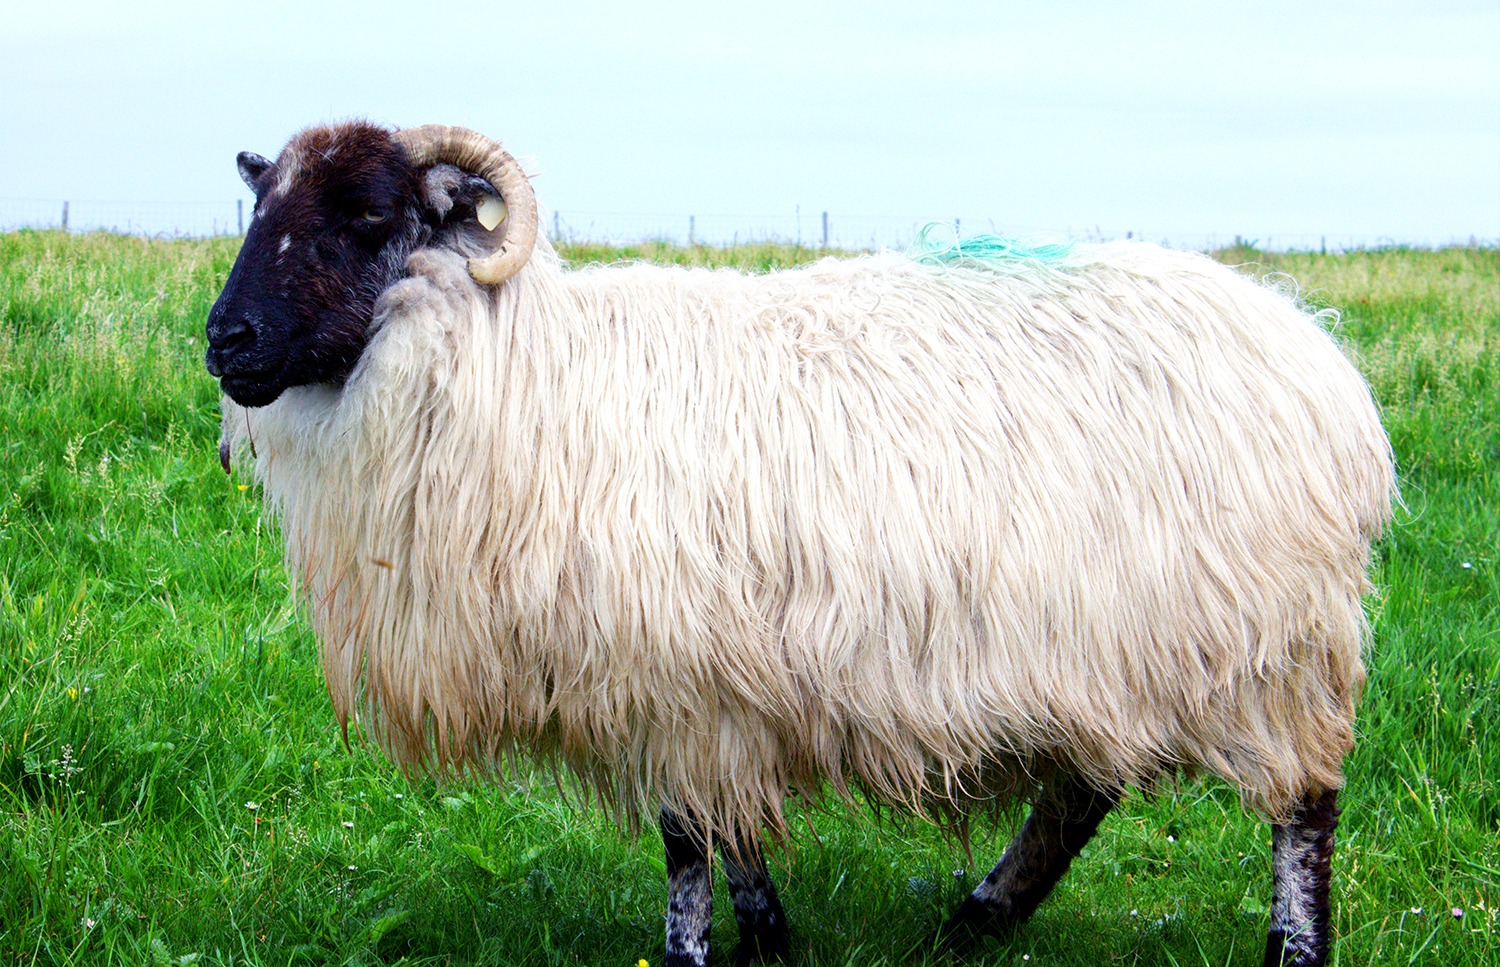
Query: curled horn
[{"x": 431, "y": 144}]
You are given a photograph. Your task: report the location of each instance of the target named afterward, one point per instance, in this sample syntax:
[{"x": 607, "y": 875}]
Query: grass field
[{"x": 173, "y": 788}]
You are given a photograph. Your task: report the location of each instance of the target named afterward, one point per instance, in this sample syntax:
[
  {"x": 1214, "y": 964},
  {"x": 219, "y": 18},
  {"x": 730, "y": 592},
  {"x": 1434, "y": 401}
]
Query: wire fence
[
  {"x": 814, "y": 229},
  {"x": 171, "y": 219},
  {"x": 874, "y": 232}
]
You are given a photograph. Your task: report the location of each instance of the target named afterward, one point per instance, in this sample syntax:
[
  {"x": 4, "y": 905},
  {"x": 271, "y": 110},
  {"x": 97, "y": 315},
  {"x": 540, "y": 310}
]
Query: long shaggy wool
[{"x": 929, "y": 527}]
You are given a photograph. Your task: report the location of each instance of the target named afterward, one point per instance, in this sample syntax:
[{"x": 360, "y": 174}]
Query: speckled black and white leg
[
  {"x": 1065, "y": 817},
  {"x": 757, "y": 908},
  {"x": 1301, "y": 854},
  {"x": 690, "y": 891}
]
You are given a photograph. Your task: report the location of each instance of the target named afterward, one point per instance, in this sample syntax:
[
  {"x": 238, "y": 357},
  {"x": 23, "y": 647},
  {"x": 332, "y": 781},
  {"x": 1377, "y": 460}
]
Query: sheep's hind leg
[
  {"x": 690, "y": 890},
  {"x": 1301, "y": 852},
  {"x": 757, "y": 909},
  {"x": 1064, "y": 818}
]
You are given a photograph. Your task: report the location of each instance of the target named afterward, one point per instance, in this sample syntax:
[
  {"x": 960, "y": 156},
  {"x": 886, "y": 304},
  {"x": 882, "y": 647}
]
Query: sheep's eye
[{"x": 376, "y": 215}]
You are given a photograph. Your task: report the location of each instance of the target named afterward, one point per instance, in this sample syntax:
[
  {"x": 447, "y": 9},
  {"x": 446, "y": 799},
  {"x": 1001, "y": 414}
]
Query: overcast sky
[{"x": 1362, "y": 121}]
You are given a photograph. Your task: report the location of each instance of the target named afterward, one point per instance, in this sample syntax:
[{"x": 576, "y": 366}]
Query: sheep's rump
[{"x": 710, "y": 538}]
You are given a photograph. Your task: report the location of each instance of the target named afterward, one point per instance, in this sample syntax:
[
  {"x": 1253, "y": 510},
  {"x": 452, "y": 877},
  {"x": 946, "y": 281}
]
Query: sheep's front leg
[
  {"x": 690, "y": 890},
  {"x": 1301, "y": 853},
  {"x": 1064, "y": 818},
  {"x": 757, "y": 908}
]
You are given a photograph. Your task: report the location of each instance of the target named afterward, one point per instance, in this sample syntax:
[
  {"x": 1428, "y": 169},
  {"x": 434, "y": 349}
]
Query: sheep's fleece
[{"x": 928, "y": 528}]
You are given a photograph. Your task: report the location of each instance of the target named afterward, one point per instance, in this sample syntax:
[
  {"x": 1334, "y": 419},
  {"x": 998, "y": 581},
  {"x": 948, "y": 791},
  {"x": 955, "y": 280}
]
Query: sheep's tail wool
[{"x": 932, "y": 526}]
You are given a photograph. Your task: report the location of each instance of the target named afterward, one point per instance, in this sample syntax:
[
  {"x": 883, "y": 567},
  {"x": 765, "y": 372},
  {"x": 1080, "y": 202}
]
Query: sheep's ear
[
  {"x": 450, "y": 194},
  {"x": 252, "y": 166},
  {"x": 439, "y": 187}
]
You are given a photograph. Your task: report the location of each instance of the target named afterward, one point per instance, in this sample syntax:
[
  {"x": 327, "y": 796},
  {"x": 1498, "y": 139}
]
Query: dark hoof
[
  {"x": 1285, "y": 951},
  {"x": 970, "y": 923},
  {"x": 763, "y": 950}
]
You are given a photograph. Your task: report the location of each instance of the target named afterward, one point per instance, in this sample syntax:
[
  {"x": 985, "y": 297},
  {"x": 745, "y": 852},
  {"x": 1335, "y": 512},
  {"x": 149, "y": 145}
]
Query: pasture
[{"x": 174, "y": 788}]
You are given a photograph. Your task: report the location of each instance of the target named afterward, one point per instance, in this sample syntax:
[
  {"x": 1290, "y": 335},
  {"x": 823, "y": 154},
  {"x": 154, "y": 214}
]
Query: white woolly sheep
[{"x": 950, "y": 529}]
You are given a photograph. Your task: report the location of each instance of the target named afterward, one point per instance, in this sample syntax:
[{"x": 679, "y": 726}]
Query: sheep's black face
[{"x": 336, "y": 216}]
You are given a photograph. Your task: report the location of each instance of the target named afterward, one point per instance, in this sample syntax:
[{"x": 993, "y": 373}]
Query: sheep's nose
[{"x": 228, "y": 335}]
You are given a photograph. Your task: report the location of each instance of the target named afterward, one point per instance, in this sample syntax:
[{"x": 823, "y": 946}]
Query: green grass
[{"x": 173, "y": 786}]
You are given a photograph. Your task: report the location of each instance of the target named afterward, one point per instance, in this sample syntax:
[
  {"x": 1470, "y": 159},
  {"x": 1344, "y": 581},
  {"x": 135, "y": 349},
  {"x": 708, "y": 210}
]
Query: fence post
[
  {"x": 556, "y": 228},
  {"x": 692, "y": 229},
  {"x": 65, "y": 216},
  {"x": 239, "y": 213},
  {"x": 825, "y": 229}
]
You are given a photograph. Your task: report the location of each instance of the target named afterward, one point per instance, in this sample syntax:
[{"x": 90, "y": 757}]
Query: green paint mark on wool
[{"x": 993, "y": 249}]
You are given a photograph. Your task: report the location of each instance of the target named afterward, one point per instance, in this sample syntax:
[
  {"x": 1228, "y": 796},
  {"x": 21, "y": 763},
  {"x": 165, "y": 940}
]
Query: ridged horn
[{"x": 432, "y": 144}]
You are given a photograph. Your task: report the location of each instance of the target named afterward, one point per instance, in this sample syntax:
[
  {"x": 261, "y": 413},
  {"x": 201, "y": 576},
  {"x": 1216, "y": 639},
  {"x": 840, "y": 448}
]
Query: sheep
[{"x": 950, "y": 530}]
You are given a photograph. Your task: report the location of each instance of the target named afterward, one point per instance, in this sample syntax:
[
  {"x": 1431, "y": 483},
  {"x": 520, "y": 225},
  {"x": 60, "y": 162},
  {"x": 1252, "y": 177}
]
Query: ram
[{"x": 965, "y": 527}]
